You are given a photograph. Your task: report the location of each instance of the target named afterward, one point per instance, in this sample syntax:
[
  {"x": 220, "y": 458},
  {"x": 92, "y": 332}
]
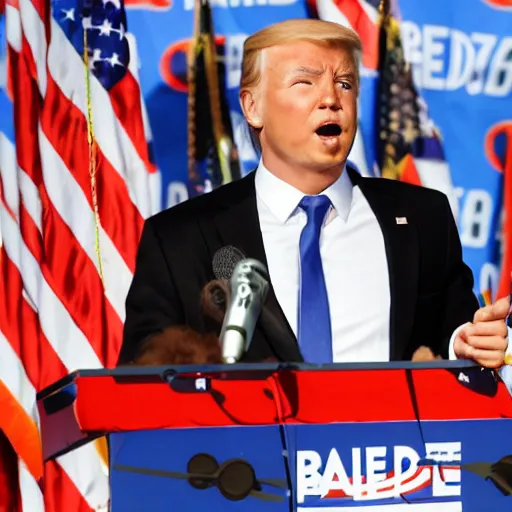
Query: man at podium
[{"x": 361, "y": 269}]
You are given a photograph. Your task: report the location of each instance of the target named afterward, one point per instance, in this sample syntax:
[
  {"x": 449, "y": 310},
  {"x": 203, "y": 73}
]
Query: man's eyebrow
[
  {"x": 349, "y": 76},
  {"x": 307, "y": 71}
]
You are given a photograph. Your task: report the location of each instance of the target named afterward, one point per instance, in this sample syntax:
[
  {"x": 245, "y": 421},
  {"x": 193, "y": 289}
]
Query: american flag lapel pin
[{"x": 401, "y": 220}]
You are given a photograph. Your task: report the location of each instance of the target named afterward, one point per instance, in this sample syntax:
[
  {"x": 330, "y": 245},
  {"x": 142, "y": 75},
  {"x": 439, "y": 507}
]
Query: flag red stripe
[
  {"x": 368, "y": 31},
  {"x": 44, "y": 11},
  {"x": 26, "y": 119},
  {"x": 66, "y": 128},
  {"x": 19, "y": 324},
  {"x": 60, "y": 492},
  {"x": 15, "y": 321},
  {"x": 75, "y": 280},
  {"x": 126, "y": 103}
]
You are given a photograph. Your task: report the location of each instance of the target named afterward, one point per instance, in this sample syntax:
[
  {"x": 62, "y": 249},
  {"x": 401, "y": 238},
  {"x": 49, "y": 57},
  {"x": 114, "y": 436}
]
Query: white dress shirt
[{"x": 353, "y": 258}]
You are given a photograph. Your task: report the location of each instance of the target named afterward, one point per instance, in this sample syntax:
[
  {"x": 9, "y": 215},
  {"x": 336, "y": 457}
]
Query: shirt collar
[{"x": 282, "y": 199}]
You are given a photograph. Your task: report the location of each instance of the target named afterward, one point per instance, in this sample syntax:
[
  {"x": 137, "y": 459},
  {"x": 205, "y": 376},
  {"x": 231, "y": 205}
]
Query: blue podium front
[{"x": 430, "y": 437}]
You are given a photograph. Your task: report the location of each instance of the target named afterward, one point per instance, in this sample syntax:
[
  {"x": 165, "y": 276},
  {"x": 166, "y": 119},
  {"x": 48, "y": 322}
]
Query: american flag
[{"x": 69, "y": 230}]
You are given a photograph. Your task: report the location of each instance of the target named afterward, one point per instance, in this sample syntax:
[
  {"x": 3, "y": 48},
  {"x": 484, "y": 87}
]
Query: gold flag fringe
[
  {"x": 100, "y": 444},
  {"x": 93, "y": 165}
]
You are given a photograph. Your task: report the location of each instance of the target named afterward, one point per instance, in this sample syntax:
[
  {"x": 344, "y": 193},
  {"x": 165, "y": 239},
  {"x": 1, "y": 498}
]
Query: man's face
[{"x": 306, "y": 106}]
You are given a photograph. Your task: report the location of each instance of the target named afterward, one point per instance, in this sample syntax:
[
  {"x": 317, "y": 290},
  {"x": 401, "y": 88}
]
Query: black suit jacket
[{"x": 431, "y": 287}]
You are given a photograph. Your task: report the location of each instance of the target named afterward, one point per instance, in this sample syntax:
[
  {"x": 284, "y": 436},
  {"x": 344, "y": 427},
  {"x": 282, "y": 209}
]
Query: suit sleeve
[
  {"x": 460, "y": 301},
  {"x": 153, "y": 301}
]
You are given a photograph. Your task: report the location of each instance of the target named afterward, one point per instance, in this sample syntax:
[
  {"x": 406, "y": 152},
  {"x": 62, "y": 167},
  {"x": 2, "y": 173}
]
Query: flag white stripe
[
  {"x": 13, "y": 28},
  {"x": 15, "y": 378},
  {"x": 13, "y": 177},
  {"x": 327, "y": 10},
  {"x": 155, "y": 178},
  {"x": 370, "y": 10},
  {"x": 35, "y": 35},
  {"x": 83, "y": 465},
  {"x": 62, "y": 333},
  {"x": 60, "y": 186},
  {"x": 31, "y": 496},
  {"x": 8, "y": 168},
  {"x": 31, "y": 199}
]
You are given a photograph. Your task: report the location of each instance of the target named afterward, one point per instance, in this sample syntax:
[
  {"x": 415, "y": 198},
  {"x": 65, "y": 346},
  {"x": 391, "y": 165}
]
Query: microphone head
[{"x": 225, "y": 261}]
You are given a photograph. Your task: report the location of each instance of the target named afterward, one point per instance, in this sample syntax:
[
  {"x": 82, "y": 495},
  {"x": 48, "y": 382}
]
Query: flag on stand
[
  {"x": 406, "y": 134},
  {"x": 212, "y": 155},
  {"x": 76, "y": 184}
]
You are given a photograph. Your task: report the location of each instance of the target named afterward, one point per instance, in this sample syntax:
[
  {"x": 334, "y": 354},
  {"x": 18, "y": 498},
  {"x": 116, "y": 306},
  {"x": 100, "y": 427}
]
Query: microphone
[
  {"x": 249, "y": 286},
  {"x": 225, "y": 260}
]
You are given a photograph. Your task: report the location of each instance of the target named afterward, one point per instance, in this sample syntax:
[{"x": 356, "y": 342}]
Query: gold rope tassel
[
  {"x": 204, "y": 42},
  {"x": 92, "y": 158},
  {"x": 101, "y": 444},
  {"x": 193, "y": 175}
]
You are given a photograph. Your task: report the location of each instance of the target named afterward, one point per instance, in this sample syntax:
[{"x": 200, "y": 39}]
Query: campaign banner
[
  {"x": 162, "y": 29},
  {"x": 447, "y": 466},
  {"x": 461, "y": 57}
]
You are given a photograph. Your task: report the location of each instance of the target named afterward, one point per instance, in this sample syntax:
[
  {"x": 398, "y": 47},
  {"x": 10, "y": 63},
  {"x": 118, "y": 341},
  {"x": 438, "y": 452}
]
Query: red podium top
[{"x": 105, "y": 401}]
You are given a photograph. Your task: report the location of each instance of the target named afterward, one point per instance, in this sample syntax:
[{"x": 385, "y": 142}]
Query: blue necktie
[{"x": 314, "y": 325}]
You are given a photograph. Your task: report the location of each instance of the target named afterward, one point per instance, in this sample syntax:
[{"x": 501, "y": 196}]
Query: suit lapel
[
  {"x": 402, "y": 252},
  {"x": 237, "y": 224}
]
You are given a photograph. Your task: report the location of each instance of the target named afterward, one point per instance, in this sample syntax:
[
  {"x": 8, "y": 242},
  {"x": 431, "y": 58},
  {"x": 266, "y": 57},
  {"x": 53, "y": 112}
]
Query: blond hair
[{"x": 324, "y": 33}]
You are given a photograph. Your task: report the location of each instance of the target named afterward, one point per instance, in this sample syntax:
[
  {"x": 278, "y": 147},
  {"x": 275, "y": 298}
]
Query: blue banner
[
  {"x": 449, "y": 466},
  {"x": 461, "y": 56}
]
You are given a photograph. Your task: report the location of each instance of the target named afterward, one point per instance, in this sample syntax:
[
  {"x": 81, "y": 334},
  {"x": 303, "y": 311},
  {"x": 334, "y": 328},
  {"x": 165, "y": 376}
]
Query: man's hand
[{"x": 485, "y": 339}]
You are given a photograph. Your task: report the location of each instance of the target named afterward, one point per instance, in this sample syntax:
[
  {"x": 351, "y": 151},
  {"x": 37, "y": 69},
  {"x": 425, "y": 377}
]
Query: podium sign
[{"x": 376, "y": 437}]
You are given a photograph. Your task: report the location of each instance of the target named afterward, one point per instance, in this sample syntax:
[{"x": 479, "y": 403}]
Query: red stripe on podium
[{"x": 308, "y": 397}]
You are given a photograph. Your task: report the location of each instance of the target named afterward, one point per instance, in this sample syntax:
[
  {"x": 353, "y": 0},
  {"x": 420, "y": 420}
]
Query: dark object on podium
[{"x": 292, "y": 437}]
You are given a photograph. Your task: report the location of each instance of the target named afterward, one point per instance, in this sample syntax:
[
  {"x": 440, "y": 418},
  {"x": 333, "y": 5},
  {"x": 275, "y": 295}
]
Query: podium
[{"x": 291, "y": 437}]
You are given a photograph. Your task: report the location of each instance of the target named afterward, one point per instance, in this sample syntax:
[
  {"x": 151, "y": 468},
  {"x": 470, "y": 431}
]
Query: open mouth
[{"x": 329, "y": 130}]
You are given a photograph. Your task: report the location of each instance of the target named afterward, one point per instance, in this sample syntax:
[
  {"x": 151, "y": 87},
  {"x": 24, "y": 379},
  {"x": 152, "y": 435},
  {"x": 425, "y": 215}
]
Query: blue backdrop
[{"x": 461, "y": 53}]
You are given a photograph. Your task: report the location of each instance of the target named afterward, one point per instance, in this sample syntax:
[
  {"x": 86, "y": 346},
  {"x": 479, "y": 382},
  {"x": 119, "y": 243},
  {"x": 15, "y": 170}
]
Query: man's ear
[{"x": 249, "y": 103}]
